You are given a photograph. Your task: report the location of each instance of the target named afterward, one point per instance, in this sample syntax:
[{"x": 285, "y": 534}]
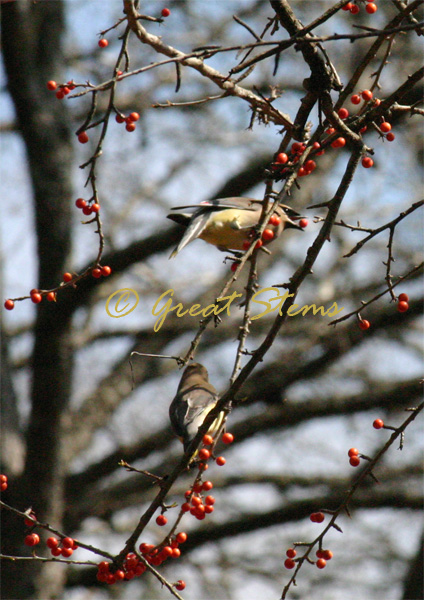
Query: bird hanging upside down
[
  {"x": 194, "y": 400},
  {"x": 228, "y": 223}
]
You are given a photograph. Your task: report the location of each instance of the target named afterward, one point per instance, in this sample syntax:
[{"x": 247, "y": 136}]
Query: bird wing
[
  {"x": 224, "y": 203},
  {"x": 196, "y": 404}
]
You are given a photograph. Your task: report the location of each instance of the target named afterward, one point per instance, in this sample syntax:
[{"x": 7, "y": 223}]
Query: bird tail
[{"x": 212, "y": 431}]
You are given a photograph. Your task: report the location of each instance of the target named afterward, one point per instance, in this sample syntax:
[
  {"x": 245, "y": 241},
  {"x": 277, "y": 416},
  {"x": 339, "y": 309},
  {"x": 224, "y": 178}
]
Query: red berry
[
  {"x": 343, "y": 113},
  {"x": 291, "y": 553},
  {"x": 204, "y": 454},
  {"x": 209, "y": 500},
  {"x": 310, "y": 165},
  {"x": 367, "y": 95},
  {"x": 378, "y": 424},
  {"x": 220, "y": 461},
  {"x": 354, "y": 461},
  {"x": 180, "y": 585},
  {"x": 80, "y": 203},
  {"x": 203, "y": 466},
  {"x": 321, "y": 563},
  {"x": 371, "y": 8},
  {"x": 9, "y": 305},
  {"x": 196, "y": 501},
  {"x": 353, "y": 452},
  {"x": 302, "y": 172},
  {"x": 403, "y": 297},
  {"x": 32, "y": 539},
  {"x": 130, "y": 126},
  {"x": 363, "y": 129},
  {"x": 347, "y": 6},
  {"x": 176, "y": 553},
  {"x": 385, "y": 127},
  {"x": 161, "y": 520},
  {"x": 96, "y": 273},
  {"x": 51, "y": 85},
  {"x": 354, "y": 9},
  {"x": 87, "y": 210},
  {"x": 367, "y": 162},
  {"x": 56, "y": 551},
  {"x": 259, "y": 243},
  {"x": 106, "y": 271},
  {"x": 119, "y": 119},
  {"x": 274, "y": 220},
  {"x": 83, "y": 137},
  {"x": 103, "y": 43},
  {"x": 52, "y": 542},
  {"x": 66, "y": 90},
  {"x": 167, "y": 551},
  {"x": 319, "y": 553},
  {"x": 134, "y": 116},
  {"x": 327, "y": 555},
  {"x": 303, "y": 223},
  {"x": 297, "y": 147},
  {"x": 289, "y": 563},
  {"x": 402, "y": 306},
  {"x": 364, "y": 325},
  {"x": 268, "y": 235},
  {"x": 36, "y": 298},
  {"x": 390, "y": 137},
  {"x": 228, "y": 438},
  {"x": 119, "y": 575},
  {"x": 355, "y": 99},
  {"x": 67, "y": 552},
  {"x": 185, "y": 507},
  {"x": 181, "y": 537},
  {"x": 207, "y": 440},
  {"x": 209, "y": 508},
  {"x": 165, "y": 12},
  {"x": 60, "y": 95},
  {"x": 207, "y": 486},
  {"x": 282, "y": 158},
  {"x": 338, "y": 142},
  {"x": 68, "y": 542},
  {"x": 67, "y": 277},
  {"x": 103, "y": 567},
  {"x": 3, "y": 478},
  {"x": 330, "y": 130},
  {"x": 234, "y": 266},
  {"x": 318, "y": 517}
]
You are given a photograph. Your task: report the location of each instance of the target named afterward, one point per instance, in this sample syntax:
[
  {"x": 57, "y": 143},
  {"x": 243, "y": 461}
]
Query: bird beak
[{"x": 290, "y": 223}]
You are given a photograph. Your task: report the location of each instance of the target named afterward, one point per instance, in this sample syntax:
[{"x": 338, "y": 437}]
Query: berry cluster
[
  {"x": 403, "y": 301},
  {"x": 62, "y": 90},
  {"x": 354, "y": 7},
  {"x": 322, "y": 555},
  {"x": 133, "y": 566},
  {"x": 354, "y": 454},
  {"x": 402, "y": 306},
  {"x": 130, "y": 121},
  {"x": 86, "y": 207},
  {"x": 317, "y": 517},
  {"x": 64, "y": 547},
  {"x": 3, "y": 483},
  {"x": 196, "y": 504}
]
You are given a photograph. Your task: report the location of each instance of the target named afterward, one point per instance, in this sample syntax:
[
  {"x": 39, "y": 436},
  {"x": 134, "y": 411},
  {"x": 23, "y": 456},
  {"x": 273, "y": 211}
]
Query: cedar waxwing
[
  {"x": 195, "y": 398},
  {"x": 228, "y": 223}
]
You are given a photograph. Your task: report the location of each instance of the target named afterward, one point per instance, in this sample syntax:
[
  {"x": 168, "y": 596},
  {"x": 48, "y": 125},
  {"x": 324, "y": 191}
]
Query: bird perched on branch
[
  {"x": 228, "y": 223},
  {"x": 195, "y": 398}
]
